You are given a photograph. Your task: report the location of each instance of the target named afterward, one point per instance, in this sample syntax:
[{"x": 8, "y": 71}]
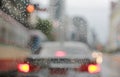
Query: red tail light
[
  {"x": 23, "y": 67},
  {"x": 93, "y": 68}
]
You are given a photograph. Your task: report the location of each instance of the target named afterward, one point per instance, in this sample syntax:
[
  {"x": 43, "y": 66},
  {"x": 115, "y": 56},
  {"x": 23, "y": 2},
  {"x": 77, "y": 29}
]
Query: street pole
[{"x": 61, "y": 32}]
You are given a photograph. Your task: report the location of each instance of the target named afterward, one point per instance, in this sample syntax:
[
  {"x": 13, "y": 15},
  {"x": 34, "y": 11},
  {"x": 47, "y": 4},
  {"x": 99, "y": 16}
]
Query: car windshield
[
  {"x": 66, "y": 51},
  {"x": 35, "y": 33}
]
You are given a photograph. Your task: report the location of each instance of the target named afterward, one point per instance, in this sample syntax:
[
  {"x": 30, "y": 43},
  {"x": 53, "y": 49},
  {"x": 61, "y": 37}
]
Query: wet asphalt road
[{"x": 111, "y": 65}]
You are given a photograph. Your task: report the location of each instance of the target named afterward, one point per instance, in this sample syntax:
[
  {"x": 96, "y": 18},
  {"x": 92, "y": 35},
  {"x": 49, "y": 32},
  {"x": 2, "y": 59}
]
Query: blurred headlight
[
  {"x": 99, "y": 60},
  {"x": 98, "y": 57}
]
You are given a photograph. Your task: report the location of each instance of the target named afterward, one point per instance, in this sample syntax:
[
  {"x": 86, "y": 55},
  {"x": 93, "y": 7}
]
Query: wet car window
[{"x": 59, "y": 38}]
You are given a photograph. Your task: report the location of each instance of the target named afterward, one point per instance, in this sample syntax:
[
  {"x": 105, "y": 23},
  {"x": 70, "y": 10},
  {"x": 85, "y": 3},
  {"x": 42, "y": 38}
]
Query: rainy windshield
[{"x": 36, "y": 36}]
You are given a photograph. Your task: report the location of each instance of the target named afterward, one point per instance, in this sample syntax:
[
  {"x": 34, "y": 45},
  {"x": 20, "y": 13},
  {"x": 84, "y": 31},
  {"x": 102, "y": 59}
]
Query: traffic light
[{"x": 30, "y": 8}]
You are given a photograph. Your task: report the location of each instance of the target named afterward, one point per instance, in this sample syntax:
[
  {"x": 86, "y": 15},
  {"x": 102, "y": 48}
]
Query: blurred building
[
  {"x": 81, "y": 28},
  {"x": 93, "y": 39},
  {"x": 56, "y": 9},
  {"x": 64, "y": 27},
  {"x": 77, "y": 30},
  {"x": 70, "y": 32},
  {"x": 114, "y": 34},
  {"x": 57, "y": 15}
]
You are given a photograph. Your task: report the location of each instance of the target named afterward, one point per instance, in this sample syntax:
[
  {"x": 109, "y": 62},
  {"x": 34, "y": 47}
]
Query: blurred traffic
[
  {"x": 59, "y": 38},
  {"x": 61, "y": 59}
]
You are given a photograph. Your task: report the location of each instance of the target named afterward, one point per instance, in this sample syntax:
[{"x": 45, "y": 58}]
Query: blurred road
[{"x": 111, "y": 65}]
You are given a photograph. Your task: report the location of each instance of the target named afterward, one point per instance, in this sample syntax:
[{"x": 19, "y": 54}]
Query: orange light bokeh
[{"x": 30, "y": 8}]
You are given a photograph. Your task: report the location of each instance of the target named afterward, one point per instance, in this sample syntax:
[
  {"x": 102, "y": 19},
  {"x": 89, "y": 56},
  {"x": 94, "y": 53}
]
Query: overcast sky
[{"x": 97, "y": 13}]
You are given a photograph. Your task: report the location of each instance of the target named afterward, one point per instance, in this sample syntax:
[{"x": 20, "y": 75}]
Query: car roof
[
  {"x": 73, "y": 44},
  {"x": 67, "y": 49}
]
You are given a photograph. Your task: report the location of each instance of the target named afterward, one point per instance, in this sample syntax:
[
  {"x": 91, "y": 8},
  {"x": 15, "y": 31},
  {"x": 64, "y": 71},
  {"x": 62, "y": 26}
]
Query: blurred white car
[{"x": 69, "y": 59}]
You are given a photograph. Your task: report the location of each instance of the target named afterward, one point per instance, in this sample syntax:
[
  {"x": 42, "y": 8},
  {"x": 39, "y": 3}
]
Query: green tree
[{"x": 46, "y": 27}]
